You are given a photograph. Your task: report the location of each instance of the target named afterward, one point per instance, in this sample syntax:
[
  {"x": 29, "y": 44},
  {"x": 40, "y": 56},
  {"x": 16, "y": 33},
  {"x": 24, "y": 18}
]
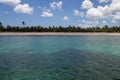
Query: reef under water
[{"x": 66, "y": 64}]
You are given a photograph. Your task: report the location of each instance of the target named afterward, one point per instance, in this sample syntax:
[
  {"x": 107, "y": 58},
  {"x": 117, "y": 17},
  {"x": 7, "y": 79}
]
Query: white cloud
[
  {"x": 46, "y": 13},
  {"x": 102, "y": 1},
  {"x": 78, "y": 13},
  {"x": 65, "y": 18},
  {"x": 106, "y": 10},
  {"x": 99, "y": 12},
  {"x": 114, "y": 21},
  {"x": 59, "y": 4},
  {"x": 55, "y": 5},
  {"x": 86, "y": 4},
  {"x": 104, "y": 22},
  {"x": 25, "y": 8},
  {"x": 115, "y": 5},
  {"x": 94, "y": 13},
  {"x": 87, "y": 23},
  {"x": 102, "y": 12},
  {"x": 116, "y": 16},
  {"x": 18, "y": 8},
  {"x": 10, "y": 2},
  {"x": 39, "y": 7}
]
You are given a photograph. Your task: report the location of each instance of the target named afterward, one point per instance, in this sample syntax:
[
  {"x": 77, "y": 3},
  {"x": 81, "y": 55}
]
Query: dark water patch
[{"x": 68, "y": 64}]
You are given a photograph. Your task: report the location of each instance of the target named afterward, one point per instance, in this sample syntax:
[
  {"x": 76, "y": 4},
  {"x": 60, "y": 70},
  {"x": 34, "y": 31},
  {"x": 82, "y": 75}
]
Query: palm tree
[
  {"x": 0, "y": 23},
  {"x": 23, "y": 23},
  {"x": 1, "y": 26}
]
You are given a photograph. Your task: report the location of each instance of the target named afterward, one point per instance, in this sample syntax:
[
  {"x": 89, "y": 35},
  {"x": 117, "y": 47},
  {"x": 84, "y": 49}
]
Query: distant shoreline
[{"x": 54, "y": 33}]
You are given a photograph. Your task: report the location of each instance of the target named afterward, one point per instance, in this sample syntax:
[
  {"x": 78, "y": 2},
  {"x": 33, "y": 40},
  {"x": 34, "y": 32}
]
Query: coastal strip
[{"x": 53, "y": 34}]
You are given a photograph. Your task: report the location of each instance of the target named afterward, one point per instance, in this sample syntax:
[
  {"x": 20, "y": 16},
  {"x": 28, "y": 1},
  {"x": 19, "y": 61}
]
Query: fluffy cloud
[
  {"x": 59, "y": 4},
  {"x": 101, "y": 1},
  {"x": 116, "y": 16},
  {"x": 54, "y": 5},
  {"x": 65, "y": 18},
  {"x": 94, "y": 13},
  {"x": 114, "y": 21},
  {"x": 86, "y": 4},
  {"x": 46, "y": 13},
  {"x": 18, "y": 8},
  {"x": 25, "y": 8},
  {"x": 99, "y": 12},
  {"x": 115, "y": 5},
  {"x": 87, "y": 23},
  {"x": 104, "y": 22},
  {"x": 111, "y": 10},
  {"x": 102, "y": 12},
  {"x": 78, "y": 13},
  {"x": 39, "y": 7},
  {"x": 11, "y": 2}
]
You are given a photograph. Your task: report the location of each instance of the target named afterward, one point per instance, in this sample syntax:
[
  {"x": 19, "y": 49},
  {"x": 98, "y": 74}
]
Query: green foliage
[
  {"x": 1, "y": 27},
  {"x": 70, "y": 28}
]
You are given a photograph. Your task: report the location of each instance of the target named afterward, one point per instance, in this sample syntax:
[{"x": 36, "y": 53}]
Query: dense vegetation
[{"x": 25, "y": 28}]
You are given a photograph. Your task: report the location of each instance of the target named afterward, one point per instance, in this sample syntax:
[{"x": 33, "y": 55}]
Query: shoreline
[{"x": 55, "y": 33}]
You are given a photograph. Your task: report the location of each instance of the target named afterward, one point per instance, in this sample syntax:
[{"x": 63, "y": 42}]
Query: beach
[{"x": 54, "y": 33}]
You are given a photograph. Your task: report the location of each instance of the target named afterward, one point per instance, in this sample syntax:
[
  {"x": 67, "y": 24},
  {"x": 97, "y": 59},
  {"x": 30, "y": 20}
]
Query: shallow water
[{"x": 59, "y": 58}]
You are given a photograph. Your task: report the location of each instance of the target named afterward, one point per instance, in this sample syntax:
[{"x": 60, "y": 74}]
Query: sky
[{"x": 83, "y": 13}]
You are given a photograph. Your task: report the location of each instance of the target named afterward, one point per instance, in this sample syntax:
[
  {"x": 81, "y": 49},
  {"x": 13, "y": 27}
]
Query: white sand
[{"x": 52, "y": 33}]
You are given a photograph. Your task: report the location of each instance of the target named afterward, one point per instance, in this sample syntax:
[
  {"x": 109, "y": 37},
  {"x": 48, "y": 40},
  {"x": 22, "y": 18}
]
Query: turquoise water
[
  {"x": 50, "y": 44},
  {"x": 59, "y": 57}
]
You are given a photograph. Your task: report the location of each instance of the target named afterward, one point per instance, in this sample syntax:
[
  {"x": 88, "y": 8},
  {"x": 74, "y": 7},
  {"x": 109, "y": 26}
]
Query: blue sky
[{"x": 84, "y": 13}]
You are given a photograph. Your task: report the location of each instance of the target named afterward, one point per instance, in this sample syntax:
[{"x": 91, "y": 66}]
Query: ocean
[{"x": 60, "y": 57}]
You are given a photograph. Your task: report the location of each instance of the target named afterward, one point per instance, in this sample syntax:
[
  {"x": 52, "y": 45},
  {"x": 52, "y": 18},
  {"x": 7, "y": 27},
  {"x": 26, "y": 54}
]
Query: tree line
[{"x": 24, "y": 28}]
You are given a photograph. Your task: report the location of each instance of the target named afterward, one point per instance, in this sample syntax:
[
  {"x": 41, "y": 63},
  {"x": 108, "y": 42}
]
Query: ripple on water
[{"x": 68, "y": 64}]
